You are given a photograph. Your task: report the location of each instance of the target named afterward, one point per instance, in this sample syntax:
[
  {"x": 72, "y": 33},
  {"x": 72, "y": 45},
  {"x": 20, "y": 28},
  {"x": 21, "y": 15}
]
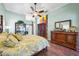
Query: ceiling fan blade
[
  {"x": 33, "y": 16},
  {"x": 35, "y": 3},
  {"x": 39, "y": 15},
  {"x": 32, "y": 8},
  {"x": 41, "y": 11}
]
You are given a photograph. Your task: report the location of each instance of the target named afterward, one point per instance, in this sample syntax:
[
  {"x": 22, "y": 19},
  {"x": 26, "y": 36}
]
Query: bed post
[{"x": 46, "y": 49}]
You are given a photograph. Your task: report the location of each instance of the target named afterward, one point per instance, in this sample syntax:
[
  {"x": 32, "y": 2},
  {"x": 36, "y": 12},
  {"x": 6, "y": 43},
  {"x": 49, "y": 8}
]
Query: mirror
[
  {"x": 63, "y": 25},
  {"x": 20, "y": 27}
]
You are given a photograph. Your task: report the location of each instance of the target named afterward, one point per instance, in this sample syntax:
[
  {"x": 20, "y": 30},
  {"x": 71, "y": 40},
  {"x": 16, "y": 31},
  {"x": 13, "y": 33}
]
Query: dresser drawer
[
  {"x": 71, "y": 39},
  {"x": 72, "y": 46}
]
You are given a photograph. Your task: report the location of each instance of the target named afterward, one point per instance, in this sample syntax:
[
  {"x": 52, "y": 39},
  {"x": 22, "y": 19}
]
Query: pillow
[
  {"x": 1, "y": 44},
  {"x": 12, "y": 38},
  {"x": 9, "y": 43},
  {"x": 7, "y": 40},
  {"x": 4, "y": 33},
  {"x": 3, "y": 37},
  {"x": 18, "y": 36}
]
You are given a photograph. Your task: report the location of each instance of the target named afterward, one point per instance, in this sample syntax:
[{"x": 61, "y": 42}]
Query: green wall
[
  {"x": 2, "y": 12},
  {"x": 11, "y": 18},
  {"x": 2, "y": 9},
  {"x": 69, "y": 11}
]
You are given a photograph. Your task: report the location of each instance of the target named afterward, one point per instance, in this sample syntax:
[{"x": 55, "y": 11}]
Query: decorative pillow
[
  {"x": 12, "y": 38},
  {"x": 4, "y": 33},
  {"x": 3, "y": 37},
  {"x": 18, "y": 36},
  {"x": 9, "y": 43},
  {"x": 1, "y": 44}
]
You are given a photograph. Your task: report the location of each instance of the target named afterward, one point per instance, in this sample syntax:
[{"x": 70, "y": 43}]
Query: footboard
[{"x": 40, "y": 53}]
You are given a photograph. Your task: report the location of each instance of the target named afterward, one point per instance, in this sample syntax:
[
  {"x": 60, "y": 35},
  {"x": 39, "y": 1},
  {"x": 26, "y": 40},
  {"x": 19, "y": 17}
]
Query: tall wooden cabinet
[
  {"x": 1, "y": 23},
  {"x": 42, "y": 26},
  {"x": 67, "y": 39},
  {"x": 42, "y": 30}
]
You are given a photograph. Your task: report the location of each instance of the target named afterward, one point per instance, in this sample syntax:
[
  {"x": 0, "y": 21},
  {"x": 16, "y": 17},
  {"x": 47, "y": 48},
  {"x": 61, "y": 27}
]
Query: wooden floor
[{"x": 57, "y": 50}]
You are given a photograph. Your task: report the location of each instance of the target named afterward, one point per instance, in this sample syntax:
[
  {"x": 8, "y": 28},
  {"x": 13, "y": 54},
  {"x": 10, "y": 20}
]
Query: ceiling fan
[{"x": 36, "y": 12}]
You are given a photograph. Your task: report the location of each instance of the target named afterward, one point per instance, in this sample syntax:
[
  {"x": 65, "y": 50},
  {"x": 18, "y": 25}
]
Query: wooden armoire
[
  {"x": 42, "y": 30},
  {"x": 42, "y": 27}
]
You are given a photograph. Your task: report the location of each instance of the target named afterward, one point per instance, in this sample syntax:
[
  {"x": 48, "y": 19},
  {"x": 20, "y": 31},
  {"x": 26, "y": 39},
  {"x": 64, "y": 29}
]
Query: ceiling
[{"x": 24, "y": 8}]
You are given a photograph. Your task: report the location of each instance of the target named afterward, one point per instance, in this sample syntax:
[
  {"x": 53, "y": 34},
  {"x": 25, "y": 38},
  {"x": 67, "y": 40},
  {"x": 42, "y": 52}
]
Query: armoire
[{"x": 42, "y": 26}]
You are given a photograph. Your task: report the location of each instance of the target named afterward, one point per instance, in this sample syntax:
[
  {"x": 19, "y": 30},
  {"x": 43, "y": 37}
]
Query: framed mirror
[
  {"x": 64, "y": 25},
  {"x": 20, "y": 27}
]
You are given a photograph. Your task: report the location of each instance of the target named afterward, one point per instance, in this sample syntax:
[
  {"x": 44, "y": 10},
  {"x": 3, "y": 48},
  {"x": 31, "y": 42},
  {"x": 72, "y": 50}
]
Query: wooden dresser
[{"x": 67, "y": 39}]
